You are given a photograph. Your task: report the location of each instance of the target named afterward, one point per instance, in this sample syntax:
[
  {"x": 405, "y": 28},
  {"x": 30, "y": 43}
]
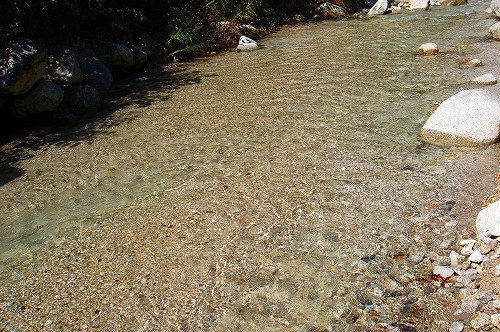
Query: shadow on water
[{"x": 19, "y": 139}]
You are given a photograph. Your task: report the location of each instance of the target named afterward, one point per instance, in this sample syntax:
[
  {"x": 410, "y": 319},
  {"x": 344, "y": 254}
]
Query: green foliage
[{"x": 186, "y": 28}]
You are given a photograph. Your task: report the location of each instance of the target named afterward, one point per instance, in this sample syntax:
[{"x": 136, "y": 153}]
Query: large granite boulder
[
  {"x": 419, "y": 4},
  {"x": 379, "y": 8},
  {"x": 494, "y": 31},
  {"x": 22, "y": 63},
  {"x": 62, "y": 66},
  {"x": 495, "y": 7},
  {"x": 488, "y": 220},
  {"x": 94, "y": 71},
  {"x": 471, "y": 117},
  {"x": 78, "y": 98},
  {"x": 247, "y": 44},
  {"x": 114, "y": 56},
  {"x": 331, "y": 11},
  {"x": 45, "y": 96}
]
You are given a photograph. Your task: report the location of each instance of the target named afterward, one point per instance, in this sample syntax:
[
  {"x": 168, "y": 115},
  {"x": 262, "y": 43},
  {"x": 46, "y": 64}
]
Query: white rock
[
  {"x": 486, "y": 79},
  {"x": 469, "y": 307},
  {"x": 464, "y": 242},
  {"x": 494, "y": 31},
  {"x": 482, "y": 320},
  {"x": 457, "y": 326},
  {"x": 428, "y": 49},
  {"x": 488, "y": 220},
  {"x": 470, "y": 117},
  {"x": 495, "y": 320},
  {"x": 476, "y": 256},
  {"x": 396, "y": 9},
  {"x": 496, "y": 304},
  {"x": 247, "y": 44},
  {"x": 443, "y": 271},
  {"x": 419, "y": 4},
  {"x": 379, "y": 8},
  {"x": 467, "y": 249},
  {"x": 496, "y": 271},
  {"x": 455, "y": 260},
  {"x": 476, "y": 63},
  {"x": 495, "y": 7}
]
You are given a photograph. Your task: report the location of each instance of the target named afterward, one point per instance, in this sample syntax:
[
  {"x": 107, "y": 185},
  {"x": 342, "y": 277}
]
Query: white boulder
[
  {"x": 379, "y": 8},
  {"x": 486, "y": 79},
  {"x": 419, "y": 4},
  {"x": 488, "y": 220},
  {"x": 495, "y": 7},
  {"x": 494, "y": 31},
  {"x": 247, "y": 44},
  {"x": 470, "y": 117}
]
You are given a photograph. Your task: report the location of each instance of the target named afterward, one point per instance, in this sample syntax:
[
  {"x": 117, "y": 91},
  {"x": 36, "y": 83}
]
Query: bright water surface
[{"x": 297, "y": 165}]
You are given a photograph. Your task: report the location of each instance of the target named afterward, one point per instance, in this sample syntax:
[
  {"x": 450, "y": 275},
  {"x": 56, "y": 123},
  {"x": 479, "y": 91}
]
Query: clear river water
[{"x": 284, "y": 189}]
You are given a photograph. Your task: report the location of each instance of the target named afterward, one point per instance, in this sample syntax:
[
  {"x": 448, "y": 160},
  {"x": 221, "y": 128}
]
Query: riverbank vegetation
[{"x": 180, "y": 29}]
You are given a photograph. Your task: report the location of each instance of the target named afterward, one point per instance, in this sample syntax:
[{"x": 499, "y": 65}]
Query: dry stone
[
  {"x": 471, "y": 117},
  {"x": 22, "y": 63},
  {"x": 428, "y": 49},
  {"x": 488, "y": 220},
  {"x": 494, "y": 31},
  {"x": 62, "y": 66}
]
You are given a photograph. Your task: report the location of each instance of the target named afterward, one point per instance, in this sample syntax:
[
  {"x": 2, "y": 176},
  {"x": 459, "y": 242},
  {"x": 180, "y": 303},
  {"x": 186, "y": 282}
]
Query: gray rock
[
  {"x": 247, "y": 44},
  {"x": 379, "y": 8},
  {"x": 457, "y": 326},
  {"x": 469, "y": 307},
  {"x": 471, "y": 117},
  {"x": 419, "y": 4},
  {"x": 481, "y": 321},
  {"x": 62, "y": 66},
  {"x": 22, "y": 63},
  {"x": 81, "y": 97},
  {"x": 139, "y": 57},
  {"x": 488, "y": 220},
  {"x": 331, "y": 11},
  {"x": 146, "y": 43},
  {"x": 114, "y": 56},
  {"x": 494, "y": 31},
  {"x": 495, "y": 7},
  {"x": 44, "y": 97},
  {"x": 94, "y": 71},
  {"x": 486, "y": 79}
]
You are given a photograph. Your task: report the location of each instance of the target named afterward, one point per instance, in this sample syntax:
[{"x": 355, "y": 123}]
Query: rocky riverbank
[{"x": 159, "y": 265}]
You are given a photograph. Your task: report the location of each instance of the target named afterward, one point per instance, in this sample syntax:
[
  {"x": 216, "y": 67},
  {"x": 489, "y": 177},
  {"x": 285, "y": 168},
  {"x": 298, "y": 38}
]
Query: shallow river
[{"x": 284, "y": 189}]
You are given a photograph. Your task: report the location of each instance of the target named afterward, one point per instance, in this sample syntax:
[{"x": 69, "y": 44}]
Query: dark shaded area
[{"x": 19, "y": 139}]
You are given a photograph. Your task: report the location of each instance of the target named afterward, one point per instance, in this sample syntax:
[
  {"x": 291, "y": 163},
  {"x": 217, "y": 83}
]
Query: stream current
[{"x": 284, "y": 189}]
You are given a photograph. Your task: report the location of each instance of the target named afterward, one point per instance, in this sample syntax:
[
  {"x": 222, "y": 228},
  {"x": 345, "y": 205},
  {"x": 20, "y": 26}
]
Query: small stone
[
  {"x": 457, "y": 326},
  {"x": 495, "y": 320},
  {"x": 481, "y": 321},
  {"x": 467, "y": 249},
  {"x": 469, "y": 307},
  {"x": 496, "y": 304},
  {"x": 496, "y": 270},
  {"x": 428, "y": 49},
  {"x": 466, "y": 293},
  {"x": 247, "y": 44},
  {"x": 484, "y": 297},
  {"x": 443, "y": 271},
  {"x": 476, "y": 256},
  {"x": 465, "y": 242},
  {"x": 455, "y": 259},
  {"x": 416, "y": 257},
  {"x": 475, "y": 63}
]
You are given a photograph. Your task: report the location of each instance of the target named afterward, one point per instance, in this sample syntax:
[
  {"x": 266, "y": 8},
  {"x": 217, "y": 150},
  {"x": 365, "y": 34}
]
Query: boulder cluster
[{"x": 61, "y": 79}]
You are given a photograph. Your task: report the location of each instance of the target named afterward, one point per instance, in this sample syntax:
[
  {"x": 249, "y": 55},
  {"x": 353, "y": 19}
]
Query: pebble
[
  {"x": 428, "y": 49},
  {"x": 417, "y": 257},
  {"x": 465, "y": 242},
  {"x": 469, "y": 307},
  {"x": 455, "y": 259},
  {"x": 457, "y": 326},
  {"x": 495, "y": 320},
  {"x": 476, "y": 63},
  {"x": 476, "y": 256},
  {"x": 486, "y": 79},
  {"x": 467, "y": 249},
  {"x": 482, "y": 320},
  {"x": 443, "y": 271},
  {"x": 496, "y": 304},
  {"x": 496, "y": 271}
]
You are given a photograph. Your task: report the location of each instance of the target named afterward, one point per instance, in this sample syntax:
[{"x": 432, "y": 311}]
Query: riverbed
[{"x": 284, "y": 189}]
